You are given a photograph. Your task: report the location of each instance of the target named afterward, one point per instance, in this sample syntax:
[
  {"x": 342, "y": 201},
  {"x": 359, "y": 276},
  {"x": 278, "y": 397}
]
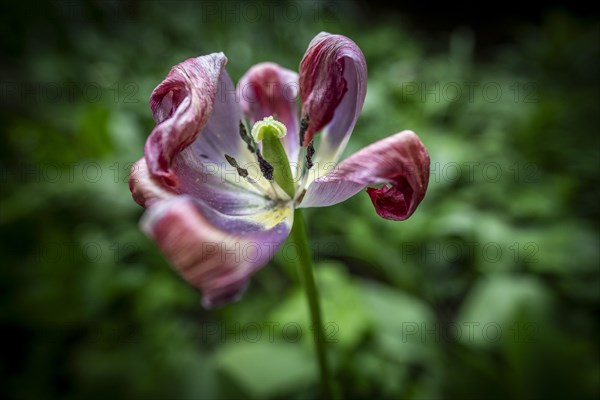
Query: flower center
[
  {"x": 273, "y": 160},
  {"x": 269, "y": 132}
]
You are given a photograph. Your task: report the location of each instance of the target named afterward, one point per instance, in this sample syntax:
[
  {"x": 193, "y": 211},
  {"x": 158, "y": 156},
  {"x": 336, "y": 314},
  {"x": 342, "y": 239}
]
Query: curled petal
[
  {"x": 187, "y": 108},
  {"x": 211, "y": 251},
  {"x": 144, "y": 187},
  {"x": 268, "y": 89},
  {"x": 400, "y": 163},
  {"x": 333, "y": 85}
]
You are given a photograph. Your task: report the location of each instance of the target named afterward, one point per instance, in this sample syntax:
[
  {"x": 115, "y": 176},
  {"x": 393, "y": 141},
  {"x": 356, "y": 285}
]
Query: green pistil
[{"x": 269, "y": 131}]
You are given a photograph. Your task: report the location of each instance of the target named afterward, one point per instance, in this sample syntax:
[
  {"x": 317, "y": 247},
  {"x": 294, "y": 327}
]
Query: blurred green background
[{"x": 489, "y": 291}]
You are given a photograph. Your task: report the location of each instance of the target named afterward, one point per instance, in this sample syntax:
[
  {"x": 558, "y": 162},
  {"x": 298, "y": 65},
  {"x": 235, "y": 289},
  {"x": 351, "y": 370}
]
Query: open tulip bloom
[{"x": 226, "y": 169}]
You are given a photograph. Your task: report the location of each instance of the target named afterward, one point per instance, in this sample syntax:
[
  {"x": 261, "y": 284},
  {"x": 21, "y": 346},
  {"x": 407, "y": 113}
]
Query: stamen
[
  {"x": 301, "y": 197},
  {"x": 266, "y": 168},
  {"x": 310, "y": 152},
  {"x": 303, "y": 127},
  {"x": 261, "y": 189},
  {"x": 244, "y": 174},
  {"x": 249, "y": 140},
  {"x": 232, "y": 161}
]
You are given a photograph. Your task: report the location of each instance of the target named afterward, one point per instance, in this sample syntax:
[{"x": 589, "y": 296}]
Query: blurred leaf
[
  {"x": 265, "y": 369},
  {"x": 401, "y": 323},
  {"x": 491, "y": 312},
  {"x": 343, "y": 311}
]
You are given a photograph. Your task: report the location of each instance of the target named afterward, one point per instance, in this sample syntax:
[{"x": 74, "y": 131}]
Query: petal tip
[
  {"x": 398, "y": 199},
  {"x": 333, "y": 76}
]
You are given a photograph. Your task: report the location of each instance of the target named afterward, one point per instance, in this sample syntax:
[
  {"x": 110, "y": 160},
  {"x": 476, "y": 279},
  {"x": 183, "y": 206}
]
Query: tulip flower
[{"x": 226, "y": 170}]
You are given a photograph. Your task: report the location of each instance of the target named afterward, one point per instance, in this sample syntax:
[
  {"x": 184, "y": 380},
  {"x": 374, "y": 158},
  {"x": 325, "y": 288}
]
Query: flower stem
[{"x": 308, "y": 281}]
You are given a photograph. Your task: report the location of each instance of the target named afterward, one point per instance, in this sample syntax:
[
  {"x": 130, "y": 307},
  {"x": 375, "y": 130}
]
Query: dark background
[{"x": 491, "y": 290}]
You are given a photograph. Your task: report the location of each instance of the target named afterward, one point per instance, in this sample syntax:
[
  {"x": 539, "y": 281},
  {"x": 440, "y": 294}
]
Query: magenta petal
[
  {"x": 400, "y": 161},
  {"x": 268, "y": 89},
  {"x": 333, "y": 85},
  {"x": 211, "y": 251},
  {"x": 392, "y": 202},
  {"x": 184, "y": 106},
  {"x": 216, "y": 185},
  {"x": 145, "y": 189}
]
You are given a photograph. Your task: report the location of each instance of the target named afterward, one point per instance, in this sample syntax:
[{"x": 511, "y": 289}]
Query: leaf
[
  {"x": 402, "y": 324},
  {"x": 344, "y": 316},
  {"x": 266, "y": 369},
  {"x": 500, "y": 307}
]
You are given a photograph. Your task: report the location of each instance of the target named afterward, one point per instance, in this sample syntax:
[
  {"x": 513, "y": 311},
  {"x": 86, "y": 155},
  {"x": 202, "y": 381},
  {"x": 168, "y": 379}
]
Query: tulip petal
[
  {"x": 268, "y": 89},
  {"x": 333, "y": 85},
  {"x": 213, "y": 252},
  {"x": 217, "y": 186},
  {"x": 145, "y": 189},
  {"x": 399, "y": 162},
  {"x": 197, "y": 119},
  {"x": 194, "y": 105}
]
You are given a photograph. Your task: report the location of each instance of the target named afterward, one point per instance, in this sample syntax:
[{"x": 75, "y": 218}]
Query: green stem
[{"x": 308, "y": 281}]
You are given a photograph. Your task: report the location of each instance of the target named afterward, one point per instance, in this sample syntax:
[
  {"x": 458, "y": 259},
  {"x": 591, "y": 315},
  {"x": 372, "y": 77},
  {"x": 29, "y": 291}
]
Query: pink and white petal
[
  {"x": 399, "y": 162},
  {"x": 192, "y": 102},
  {"x": 217, "y": 185},
  {"x": 221, "y": 135},
  {"x": 333, "y": 85},
  {"x": 145, "y": 189},
  {"x": 268, "y": 89},
  {"x": 220, "y": 186},
  {"x": 214, "y": 253}
]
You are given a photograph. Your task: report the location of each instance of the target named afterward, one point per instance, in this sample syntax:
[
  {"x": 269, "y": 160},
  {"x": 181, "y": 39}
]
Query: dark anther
[
  {"x": 310, "y": 152},
  {"x": 249, "y": 140},
  {"x": 243, "y": 172},
  {"x": 301, "y": 197},
  {"x": 265, "y": 167},
  {"x": 303, "y": 127},
  {"x": 232, "y": 161}
]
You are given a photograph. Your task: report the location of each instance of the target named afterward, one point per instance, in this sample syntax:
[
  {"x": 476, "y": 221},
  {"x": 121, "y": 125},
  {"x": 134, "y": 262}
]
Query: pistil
[{"x": 269, "y": 132}]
